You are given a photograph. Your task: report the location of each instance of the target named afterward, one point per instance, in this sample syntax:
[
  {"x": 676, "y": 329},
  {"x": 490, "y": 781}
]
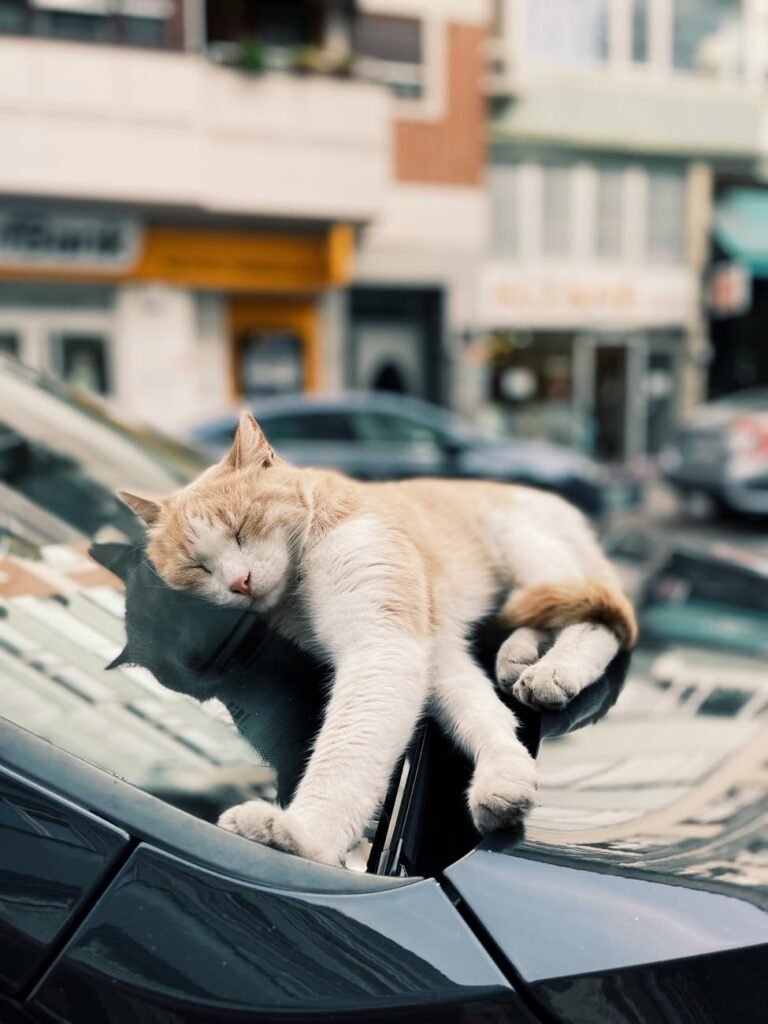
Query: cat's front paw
[
  {"x": 547, "y": 687},
  {"x": 503, "y": 792},
  {"x": 276, "y": 827}
]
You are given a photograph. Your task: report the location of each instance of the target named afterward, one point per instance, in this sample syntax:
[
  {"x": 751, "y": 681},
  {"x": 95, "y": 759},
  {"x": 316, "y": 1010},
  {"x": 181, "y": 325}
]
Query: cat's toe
[
  {"x": 273, "y": 826},
  {"x": 541, "y": 686},
  {"x": 501, "y": 795}
]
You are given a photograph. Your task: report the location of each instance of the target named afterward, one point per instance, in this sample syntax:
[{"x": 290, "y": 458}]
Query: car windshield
[{"x": 97, "y": 655}]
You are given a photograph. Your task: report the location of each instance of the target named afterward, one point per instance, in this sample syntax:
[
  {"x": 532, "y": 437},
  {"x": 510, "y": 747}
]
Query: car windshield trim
[{"x": 149, "y": 819}]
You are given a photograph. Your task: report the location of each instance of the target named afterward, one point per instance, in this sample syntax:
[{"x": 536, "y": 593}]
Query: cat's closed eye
[
  {"x": 238, "y": 532},
  {"x": 203, "y": 567}
]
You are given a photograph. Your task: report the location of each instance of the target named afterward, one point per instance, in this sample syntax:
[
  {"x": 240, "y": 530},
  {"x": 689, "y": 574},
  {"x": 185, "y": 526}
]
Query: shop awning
[{"x": 740, "y": 227}]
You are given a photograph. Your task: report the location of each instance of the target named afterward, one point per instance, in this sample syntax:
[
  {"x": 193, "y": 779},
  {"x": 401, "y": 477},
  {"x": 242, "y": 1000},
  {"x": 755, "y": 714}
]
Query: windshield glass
[{"x": 97, "y": 655}]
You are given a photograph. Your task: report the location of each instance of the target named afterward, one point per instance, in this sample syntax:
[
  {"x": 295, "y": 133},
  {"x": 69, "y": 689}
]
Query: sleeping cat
[{"x": 384, "y": 582}]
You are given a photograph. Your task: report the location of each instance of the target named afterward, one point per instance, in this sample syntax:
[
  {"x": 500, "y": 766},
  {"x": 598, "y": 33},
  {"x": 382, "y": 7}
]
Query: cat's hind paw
[
  {"x": 547, "y": 687},
  {"x": 276, "y": 827},
  {"x": 518, "y": 652},
  {"x": 502, "y": 793}
]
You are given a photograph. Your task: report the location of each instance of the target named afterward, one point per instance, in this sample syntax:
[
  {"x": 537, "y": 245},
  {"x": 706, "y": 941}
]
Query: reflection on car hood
[{"x": 673, "y": 785}]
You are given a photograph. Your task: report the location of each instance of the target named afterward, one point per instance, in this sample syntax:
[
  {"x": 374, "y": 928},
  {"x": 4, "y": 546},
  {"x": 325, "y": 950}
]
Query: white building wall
[
  {"x": 101, "y": 123},
  {"x": 170, "y": 355}
]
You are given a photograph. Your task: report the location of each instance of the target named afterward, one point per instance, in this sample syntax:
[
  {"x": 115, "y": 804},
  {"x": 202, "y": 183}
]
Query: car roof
[{"x": 346, "y": 401}]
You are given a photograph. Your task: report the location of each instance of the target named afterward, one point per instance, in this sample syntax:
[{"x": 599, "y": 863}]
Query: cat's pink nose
[{"x": 241, "y": 586}]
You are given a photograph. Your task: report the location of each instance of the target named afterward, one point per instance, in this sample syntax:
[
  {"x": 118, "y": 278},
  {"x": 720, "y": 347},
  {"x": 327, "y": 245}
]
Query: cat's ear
[
  {"x": 250, "y": 447},
  {"x": 145, "y": 508}
]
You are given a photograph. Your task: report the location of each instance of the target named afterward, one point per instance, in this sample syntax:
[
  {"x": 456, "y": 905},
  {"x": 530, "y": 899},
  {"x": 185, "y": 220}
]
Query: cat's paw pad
[
  {"x": 518, "y": 652},
  {"x": 502, "y": 793},
  {"x": 276, "y": 827},
  {"x": 546, "y": 687}
]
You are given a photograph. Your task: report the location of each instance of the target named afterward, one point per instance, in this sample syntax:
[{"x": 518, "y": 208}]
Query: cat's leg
[
  {"x": 372, "y": 619},
  {"x": 577, "y": 598},
  {"x": 579, "y": 656},
  {"x": 503, "y": 787},
  {"x": 377, "y": 697}
]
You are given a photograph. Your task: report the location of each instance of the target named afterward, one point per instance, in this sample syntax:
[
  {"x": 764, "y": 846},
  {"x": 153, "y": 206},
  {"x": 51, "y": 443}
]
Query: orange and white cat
[{"x": 385, "y": 580}]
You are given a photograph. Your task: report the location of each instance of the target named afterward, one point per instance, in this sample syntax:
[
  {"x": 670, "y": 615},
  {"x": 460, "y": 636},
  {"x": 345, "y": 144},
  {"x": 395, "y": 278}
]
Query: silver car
[{"x": 722, "y": 452}]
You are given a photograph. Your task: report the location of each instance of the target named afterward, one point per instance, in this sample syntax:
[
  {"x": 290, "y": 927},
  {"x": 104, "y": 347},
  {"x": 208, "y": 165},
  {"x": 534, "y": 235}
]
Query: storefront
[
  {"x": 589, "y": 358},
  {"x": 127, "y": 306},
  {"x": 738, "y": 292}
]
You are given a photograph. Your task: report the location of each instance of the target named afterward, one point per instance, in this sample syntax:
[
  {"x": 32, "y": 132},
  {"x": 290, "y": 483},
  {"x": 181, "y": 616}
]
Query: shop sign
[
  {"x": 39, "y": 239},
  {"x": 590, "y": 297}
]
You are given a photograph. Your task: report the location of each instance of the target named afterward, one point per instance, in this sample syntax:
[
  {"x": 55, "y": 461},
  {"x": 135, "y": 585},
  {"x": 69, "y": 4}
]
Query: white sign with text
[
  {"x": 618, "y": 298},
  {"x": 39, "y": 238}
]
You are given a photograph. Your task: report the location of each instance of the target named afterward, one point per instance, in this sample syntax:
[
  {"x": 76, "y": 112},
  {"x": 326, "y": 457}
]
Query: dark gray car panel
[
  {"x": 54, "y": 859},
  {"x": 178, "y": 943}
]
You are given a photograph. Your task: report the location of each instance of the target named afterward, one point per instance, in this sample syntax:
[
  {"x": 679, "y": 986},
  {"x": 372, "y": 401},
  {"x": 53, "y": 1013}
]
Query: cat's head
[{"x": 231, "y": 535}]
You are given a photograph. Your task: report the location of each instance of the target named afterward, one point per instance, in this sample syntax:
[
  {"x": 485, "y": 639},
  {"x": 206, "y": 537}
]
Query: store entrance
[
  {"x": 609, "y": 372},
  {"x": 610, "y": 403},
  {"x": 274, "y": 347},
  {"x": 626, "y": 386}
]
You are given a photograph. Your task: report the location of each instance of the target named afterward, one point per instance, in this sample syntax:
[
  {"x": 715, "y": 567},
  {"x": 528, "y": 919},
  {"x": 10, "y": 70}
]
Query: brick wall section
[{"x": 450, "y": 151}]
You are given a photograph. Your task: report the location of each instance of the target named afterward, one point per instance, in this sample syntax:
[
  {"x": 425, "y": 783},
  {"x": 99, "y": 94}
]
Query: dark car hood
[{"x": 651, "y": 841}]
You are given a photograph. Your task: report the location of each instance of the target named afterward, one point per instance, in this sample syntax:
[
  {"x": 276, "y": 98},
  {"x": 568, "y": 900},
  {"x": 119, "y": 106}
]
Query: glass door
[
  {"x": 274, "y": 347},
  {"x": 609, "y": 394}
]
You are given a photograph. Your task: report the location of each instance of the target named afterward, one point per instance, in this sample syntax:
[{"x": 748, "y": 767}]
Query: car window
[
  {"x": 386, "y": 428},
  {"x": 686, "y": 578},
  {"x": 219, "y": 436},
  {"x": 310, "y": 426}
]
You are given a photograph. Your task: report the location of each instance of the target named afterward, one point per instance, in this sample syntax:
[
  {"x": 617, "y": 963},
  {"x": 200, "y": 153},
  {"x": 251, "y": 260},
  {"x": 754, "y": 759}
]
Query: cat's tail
[{"x": 556, "y": 605}]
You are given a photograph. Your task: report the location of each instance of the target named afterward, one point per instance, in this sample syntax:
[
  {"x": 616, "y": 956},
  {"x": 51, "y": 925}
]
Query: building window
[
  {"x": 13, "y": 16},
  {"x": 707, "y": 36},
  {"x": 270, "y": 362},
  {"x": 390, "y": 49},
  {"x": 609, "y": 227},
  {"x": 135, "y": 22},
  {"x": 505, "y": 194},
  {"x": 9, "y": 343},
  {"x": 279, "y": 24},
  {"x": 532, "y": 382},
  {"x": 81, "y": 360},
  {"x": 556, "y": 196},
  {"x": 640, "y": 31},
  {"x": 568, "y": 31},
  {"x": 666, "y": 216}
]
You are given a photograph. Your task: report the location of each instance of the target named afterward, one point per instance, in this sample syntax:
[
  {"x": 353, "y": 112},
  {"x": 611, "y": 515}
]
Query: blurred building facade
[
  {"x": 184, "y": 185},
  {"x": 611, "y": 124},
  {"x": 501, "y": 205}
]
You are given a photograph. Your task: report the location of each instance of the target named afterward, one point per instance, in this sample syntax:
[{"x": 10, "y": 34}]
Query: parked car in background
[
  {"x": 382, "y": 436},
  {"x": 722, "y": 452},
  {"x": 707, "y": 595}
]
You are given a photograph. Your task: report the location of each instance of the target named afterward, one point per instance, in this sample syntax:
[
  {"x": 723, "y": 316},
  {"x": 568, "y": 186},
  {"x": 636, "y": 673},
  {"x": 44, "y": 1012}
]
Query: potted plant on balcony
[
  {"x": 314, "y": 60},
  {"x": 251, "y": 58}
]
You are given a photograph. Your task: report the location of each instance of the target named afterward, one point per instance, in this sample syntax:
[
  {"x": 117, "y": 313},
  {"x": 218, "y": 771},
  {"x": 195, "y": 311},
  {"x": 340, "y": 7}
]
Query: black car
[
  {"x": 637, "y": 893},
  {"x": 382, "y": 436}
]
